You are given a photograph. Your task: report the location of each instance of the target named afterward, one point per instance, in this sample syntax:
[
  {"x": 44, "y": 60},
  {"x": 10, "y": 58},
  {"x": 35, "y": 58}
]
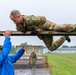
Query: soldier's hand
[
  {"x": 34, "y": 32},
  {"x": 23, "y": 29},
  {"x": 7, "y": 33}
]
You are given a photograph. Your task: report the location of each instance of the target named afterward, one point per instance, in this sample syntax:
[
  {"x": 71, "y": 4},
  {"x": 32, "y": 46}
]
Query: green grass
[{"x": 62, "y": 64}]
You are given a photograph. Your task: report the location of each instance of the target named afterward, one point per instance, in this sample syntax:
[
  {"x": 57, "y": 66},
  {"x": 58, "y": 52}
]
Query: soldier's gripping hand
[
  {"x": 23, "y": 29},
  {"x": 7, "y": 33},
  {"x": 34, "y": 32}
]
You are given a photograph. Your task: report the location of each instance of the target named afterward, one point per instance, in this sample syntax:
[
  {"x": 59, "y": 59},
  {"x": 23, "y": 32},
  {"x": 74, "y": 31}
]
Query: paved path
[
  {"x": 23, "y": 64},
  {"x": 31, "y": 72}
]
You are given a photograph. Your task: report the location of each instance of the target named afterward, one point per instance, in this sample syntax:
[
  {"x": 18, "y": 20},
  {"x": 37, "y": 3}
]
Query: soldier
[
  {"x": 39, "y": 23},
  {"x": 33, "y": 58}
]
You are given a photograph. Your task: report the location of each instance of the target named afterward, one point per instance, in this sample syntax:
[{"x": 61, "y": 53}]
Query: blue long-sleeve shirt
[
  {"x": 5, "y": 50},
  {"x": 6, "y": 66}
]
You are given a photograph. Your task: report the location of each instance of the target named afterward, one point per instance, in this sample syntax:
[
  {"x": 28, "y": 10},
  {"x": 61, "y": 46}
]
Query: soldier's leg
[
  {"x": 64, "y": 27},
  {"x": 53, "y": 45},
  {"x": 32, "y": 63},
  {"x": 60, "y": 28},
  {"x": 74, "y": 28},
  {"x": 40, "y": 37}
]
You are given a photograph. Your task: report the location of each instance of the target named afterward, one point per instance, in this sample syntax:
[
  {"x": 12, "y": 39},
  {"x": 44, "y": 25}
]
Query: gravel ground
[{"x": 32, "y": 72}]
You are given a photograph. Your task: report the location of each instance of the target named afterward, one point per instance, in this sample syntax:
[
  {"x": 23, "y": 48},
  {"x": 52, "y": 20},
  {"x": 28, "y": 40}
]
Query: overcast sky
[{"x": 58, "y": 11}]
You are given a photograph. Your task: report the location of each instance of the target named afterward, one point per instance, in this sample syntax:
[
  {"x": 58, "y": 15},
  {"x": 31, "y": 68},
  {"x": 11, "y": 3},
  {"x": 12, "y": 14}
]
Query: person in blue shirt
[{"x": 6, "y": 62}]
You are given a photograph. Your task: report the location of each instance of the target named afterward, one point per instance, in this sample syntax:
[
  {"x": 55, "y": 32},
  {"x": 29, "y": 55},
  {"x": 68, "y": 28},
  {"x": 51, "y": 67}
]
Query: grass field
[{"x": 62, "y": 64}]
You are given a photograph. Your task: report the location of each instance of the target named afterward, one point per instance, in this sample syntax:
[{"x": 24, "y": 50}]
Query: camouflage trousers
[
  {"x": 52, "y": 45},
  {"x": 60, "y": 28},
  {"x": 33, "y": 62},
  {"x": 65, "y": 28}
]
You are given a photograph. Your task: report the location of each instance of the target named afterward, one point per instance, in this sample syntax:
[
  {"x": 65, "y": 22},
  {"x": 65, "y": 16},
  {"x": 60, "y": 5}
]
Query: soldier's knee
[{"x": 52, "y": 48}]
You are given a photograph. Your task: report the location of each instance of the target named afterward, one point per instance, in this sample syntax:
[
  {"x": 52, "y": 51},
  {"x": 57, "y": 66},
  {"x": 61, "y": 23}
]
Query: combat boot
[
  {"x": 33, "y": 68},
  {"x": 68, "y": 38}
]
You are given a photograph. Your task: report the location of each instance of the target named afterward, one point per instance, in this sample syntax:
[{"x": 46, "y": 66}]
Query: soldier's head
[
  {"x": 33, "y": 51},
  {"x": 16, "y": 17},
  {"x": 0, "y": 49}
]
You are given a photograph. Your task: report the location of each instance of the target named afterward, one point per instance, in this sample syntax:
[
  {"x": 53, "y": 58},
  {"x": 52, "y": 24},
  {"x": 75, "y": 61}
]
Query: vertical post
[{"x": 46, "y": 61}]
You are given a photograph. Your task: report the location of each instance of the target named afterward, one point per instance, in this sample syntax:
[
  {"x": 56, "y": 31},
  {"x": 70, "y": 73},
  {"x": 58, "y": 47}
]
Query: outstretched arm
[
  {"x": 17, "y": 55},
  {"x": 6, "y": 47}
]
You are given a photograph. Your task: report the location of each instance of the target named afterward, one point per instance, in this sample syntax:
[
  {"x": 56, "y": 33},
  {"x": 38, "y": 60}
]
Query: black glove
[
  {"x": 34, "y": 32},
  {"x": 23, "y": 29}
]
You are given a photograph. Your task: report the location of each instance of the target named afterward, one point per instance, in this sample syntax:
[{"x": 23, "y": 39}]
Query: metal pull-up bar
[{"x": 17, "y": 33}]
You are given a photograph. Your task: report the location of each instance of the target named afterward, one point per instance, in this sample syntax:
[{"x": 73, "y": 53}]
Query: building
[{"x": 29, "y": 48}]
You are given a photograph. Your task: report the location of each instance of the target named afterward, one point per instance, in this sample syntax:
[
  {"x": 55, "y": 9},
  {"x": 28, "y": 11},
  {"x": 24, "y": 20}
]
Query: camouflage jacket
[
  {"x": 38, "y": 22},
  {"x": 33, "y": 55}
]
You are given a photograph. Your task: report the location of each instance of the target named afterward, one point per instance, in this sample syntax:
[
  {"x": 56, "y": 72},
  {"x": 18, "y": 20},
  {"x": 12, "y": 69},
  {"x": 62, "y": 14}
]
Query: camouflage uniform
[
  {"x": 33, "y": 58},
  {"x": 40, "y": 24}
]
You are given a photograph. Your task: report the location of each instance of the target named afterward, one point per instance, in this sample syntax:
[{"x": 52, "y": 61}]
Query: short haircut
[{"x": 15, "y": 13}]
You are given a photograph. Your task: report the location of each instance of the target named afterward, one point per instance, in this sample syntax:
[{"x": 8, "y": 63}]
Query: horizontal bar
[{"x": 17, "y": 33}]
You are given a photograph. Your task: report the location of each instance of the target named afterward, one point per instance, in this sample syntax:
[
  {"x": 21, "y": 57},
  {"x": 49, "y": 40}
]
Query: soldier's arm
[
  {"x": 34, "y": 20},
  {"x": 20, "y": 28},
  {"x": 17, "y": 27},
  {"x": 37, "y": 19}
]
